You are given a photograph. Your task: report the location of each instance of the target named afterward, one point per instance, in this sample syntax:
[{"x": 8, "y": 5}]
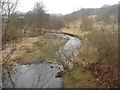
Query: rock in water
[{"x": 59, "y": 74}]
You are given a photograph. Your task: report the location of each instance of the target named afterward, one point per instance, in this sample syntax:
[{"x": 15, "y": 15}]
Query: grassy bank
[
  {"x": 32, "y": 49},
  {"x": 74, "y": 31},
  {"x": 97, "y": 58},
  {"x": 78, "y": 78}
]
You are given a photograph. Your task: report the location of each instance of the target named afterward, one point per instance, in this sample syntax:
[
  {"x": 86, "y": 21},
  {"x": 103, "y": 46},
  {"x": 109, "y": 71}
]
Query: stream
[{"x": 42, "y": 74}]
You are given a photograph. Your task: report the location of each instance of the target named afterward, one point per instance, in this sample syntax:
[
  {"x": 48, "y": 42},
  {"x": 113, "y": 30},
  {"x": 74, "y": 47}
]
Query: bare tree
[
  {"x": 39, "y": 17},
  {"x": 7, "y": 8}
]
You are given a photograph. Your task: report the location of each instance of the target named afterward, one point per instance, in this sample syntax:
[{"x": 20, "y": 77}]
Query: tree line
[{"x": 35, "y": 22}]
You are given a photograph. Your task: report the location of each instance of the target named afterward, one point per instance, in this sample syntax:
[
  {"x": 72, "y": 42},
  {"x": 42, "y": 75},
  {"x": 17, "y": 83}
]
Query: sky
[{"x": 63, "y": 6}]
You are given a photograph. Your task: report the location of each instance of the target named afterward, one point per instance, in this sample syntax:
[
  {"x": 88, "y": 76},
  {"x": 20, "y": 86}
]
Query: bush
[{"x": 105, "y": 40}]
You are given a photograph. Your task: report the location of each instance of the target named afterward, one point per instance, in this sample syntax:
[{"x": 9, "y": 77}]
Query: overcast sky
[{"x": 64, "y": 6}]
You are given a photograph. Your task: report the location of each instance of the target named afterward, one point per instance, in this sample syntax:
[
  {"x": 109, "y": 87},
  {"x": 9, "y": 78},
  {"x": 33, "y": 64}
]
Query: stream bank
[{"x": 42, "y": 74}]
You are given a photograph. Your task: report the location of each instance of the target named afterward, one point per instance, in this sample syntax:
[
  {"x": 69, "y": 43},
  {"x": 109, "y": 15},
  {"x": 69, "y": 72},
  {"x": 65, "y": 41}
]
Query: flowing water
[{"x": 43, "y": 75}]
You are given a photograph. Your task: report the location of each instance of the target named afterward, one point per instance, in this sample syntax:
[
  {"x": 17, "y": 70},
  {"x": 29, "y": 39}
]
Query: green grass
[
  {"x": 49, "y": 47},
  {"x": 79, "y": 79}
]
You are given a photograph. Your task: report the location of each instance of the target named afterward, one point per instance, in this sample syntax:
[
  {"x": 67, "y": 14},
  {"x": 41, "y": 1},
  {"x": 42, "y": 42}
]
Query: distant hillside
[{"x": 104, "y": 13}]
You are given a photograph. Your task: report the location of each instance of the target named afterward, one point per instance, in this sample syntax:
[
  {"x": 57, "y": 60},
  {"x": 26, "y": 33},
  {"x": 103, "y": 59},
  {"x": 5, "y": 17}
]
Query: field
[{"x": 32, "y": 49}]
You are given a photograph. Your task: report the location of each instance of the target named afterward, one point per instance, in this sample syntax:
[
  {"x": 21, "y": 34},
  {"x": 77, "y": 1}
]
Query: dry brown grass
[
  {"x": 98, "y": 53},
  {"x": 31, "y": 49}
]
